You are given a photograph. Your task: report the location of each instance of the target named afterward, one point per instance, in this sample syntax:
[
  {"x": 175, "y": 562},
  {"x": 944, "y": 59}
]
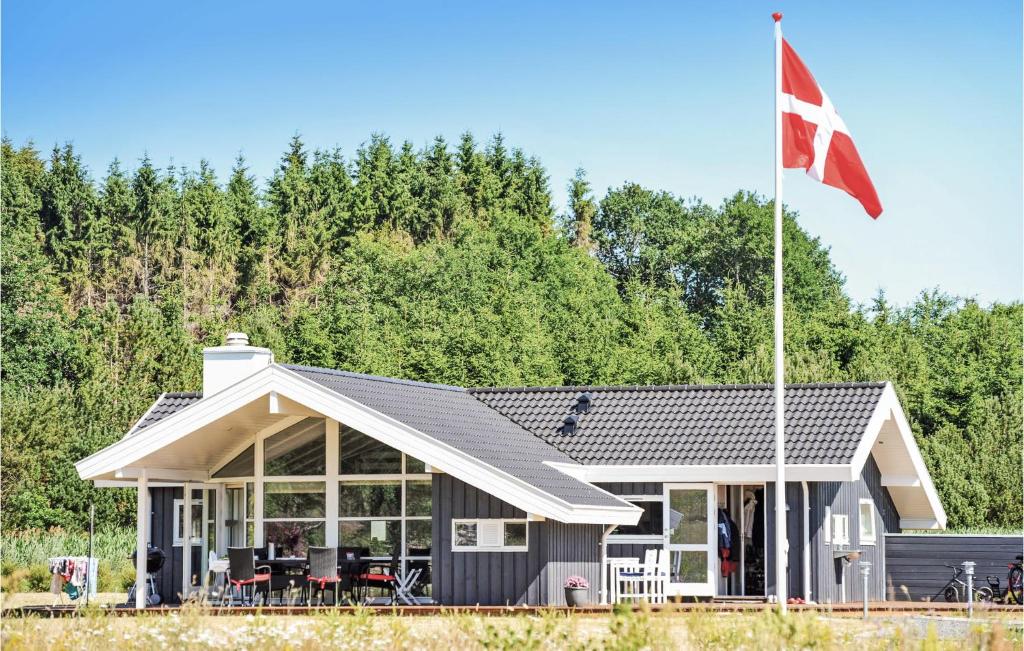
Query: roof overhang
[
  {"x": 887, "y": 437},
  {"x": 732, "y": 473},
  {"x": 189, "y": 443},
  {"x": 890, "y": 441}
]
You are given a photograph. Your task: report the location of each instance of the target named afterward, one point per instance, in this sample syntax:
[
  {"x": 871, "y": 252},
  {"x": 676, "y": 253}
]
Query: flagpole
[{"x": 781, "y": 545}]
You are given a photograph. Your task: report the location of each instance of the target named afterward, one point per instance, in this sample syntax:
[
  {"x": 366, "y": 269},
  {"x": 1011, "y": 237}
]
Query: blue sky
[{"x": 672, "y": 96}]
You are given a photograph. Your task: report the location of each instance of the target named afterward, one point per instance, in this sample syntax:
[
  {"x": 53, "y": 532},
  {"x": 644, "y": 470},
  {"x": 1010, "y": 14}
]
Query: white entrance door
[{"x": 689, "y": 519}]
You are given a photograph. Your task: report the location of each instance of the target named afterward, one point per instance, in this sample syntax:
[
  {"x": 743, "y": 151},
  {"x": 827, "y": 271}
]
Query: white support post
[
  {"x": 142, "y": 526},
  {"x": 257, "y": 496},
  {"x": 204, "y": 553},
  {"x": 781, "y": 548},
  {"x": 331, "y": 531},
  {"x": 220, "y": 515},
  {"x": 186, "y": 540}
]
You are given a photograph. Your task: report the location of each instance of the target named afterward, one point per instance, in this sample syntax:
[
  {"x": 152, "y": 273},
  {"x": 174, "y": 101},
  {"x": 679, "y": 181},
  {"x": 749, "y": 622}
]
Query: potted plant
[{"x": 577, "y": 591}]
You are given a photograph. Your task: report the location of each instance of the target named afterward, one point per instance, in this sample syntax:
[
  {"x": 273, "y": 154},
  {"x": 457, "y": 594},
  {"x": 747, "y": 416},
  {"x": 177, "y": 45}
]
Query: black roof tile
[{"x": 705, "y": 424}]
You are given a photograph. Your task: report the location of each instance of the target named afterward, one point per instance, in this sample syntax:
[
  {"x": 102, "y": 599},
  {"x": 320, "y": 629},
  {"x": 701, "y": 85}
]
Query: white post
[
  {"x": 257, "y": 497},
  {"x": 331, "y": 533},
  {"x": 186, "y": 541},
  {"x": 220, "y": 510},
  {"x": 142, "y": 517},
  {"x": 780, "y": 457}
]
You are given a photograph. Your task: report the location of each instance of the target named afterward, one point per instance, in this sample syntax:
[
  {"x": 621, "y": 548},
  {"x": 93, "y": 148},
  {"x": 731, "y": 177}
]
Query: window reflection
[{"x": 297, "y": 450}]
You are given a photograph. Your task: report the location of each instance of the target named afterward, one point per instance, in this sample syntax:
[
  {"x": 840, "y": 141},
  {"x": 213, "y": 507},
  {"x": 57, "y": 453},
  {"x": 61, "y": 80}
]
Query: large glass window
[
  {"x": 294, "y": 499},
  {"x": 297, "y": 450},
  {"x": 387, "y": 514},
  {"x": 418, "y": 537},
  {"x": 239, "y": 516},
  {"x": 360, "y": 454},
  {"x": 293, "y": 538},
  {"x": 294, "y": 514},
  {"x": 370, "y": 498},
  {"x": 417, "y": 497},
  {"x": 243, "y": 465},
  {"x": 379, "y": 537}
]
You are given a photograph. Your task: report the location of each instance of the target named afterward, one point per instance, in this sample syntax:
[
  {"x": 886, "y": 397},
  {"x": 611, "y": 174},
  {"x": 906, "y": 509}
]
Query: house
[{"x": 504, "y": 492}]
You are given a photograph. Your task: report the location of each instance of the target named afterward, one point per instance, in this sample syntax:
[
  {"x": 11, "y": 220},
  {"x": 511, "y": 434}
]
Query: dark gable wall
[
  {"x": 535, "y": 577},
  {"x": 844, "y": 498},
  {"x": 827, "y": 573}
]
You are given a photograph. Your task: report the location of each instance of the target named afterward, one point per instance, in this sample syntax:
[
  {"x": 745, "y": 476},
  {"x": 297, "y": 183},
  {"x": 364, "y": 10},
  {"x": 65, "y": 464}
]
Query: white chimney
[{"x": 234, "y": 361}]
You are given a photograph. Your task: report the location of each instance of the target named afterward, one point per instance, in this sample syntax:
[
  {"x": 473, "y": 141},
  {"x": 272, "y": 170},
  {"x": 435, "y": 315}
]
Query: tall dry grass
[
  {"x": 24, "y": 557},
  {"x": 195, "y": 628}
]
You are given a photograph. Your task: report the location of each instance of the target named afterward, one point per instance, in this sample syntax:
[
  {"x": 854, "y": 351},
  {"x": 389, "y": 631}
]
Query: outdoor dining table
[{"x": 294, "y": 568}]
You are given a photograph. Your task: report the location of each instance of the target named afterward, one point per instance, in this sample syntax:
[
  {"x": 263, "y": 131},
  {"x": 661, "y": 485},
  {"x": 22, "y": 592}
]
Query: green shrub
[
  {"x": 38, "y": 578},
  {"x": 124, "y": 577}
]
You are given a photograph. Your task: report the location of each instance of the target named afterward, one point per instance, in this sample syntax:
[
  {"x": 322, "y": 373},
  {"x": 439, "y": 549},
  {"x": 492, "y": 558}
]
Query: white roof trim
[
  {"x": 889, "y": 406},
  {"x": 732, "y": 473},
  {"x": 357, "y": 415}
]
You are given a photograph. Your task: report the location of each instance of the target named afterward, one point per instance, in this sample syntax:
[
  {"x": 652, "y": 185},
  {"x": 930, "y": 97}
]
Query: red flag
[{"x": 815, "y": 138}]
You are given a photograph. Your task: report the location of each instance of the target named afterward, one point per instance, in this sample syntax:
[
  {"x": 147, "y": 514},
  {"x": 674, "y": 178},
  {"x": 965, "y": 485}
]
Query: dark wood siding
[
  {"x": 794, "y": 535},
  {"x": 844, "y": 498},
  {"x": 534, "y": 577},
  {"x": 486, "y": 578},
  {"x": 168, "y": 580},
  {"x": 632, "y": 488},
  {"x": 572, "y": 550},
  {"x": 915, "y": 563}
]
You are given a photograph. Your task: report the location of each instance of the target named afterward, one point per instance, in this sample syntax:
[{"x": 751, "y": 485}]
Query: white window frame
[
  {"x": 840, "y": 534},
  {"x": 864, "y": 538},
  {"x": 179, "y": 505},
  {"x": 332, "y": 479},
  {"x": 477, "y": 522}
]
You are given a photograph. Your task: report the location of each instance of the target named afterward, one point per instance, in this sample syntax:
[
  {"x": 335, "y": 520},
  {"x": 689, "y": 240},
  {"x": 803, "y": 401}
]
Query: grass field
[{"x": 621, "y": 631}]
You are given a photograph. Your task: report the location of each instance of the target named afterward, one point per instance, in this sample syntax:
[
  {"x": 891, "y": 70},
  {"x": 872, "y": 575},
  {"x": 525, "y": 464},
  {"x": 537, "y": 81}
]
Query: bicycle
[
  {"x": 1013, "y": 584},
  {"x": 956, "y": 590}
]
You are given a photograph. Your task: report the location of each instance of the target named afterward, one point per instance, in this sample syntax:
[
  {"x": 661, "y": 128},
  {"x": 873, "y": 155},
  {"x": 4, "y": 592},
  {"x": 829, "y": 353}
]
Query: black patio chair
[
  {"x": 323, "y": 571},
  {"x": 385, "y": 579},
  {"x": 350, "y": 566},
  {"x": 242, "y": 572}
]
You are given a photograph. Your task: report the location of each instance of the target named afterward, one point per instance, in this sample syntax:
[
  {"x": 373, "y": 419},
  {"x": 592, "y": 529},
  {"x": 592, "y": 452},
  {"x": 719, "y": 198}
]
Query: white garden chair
[{"x": 642, "y": 581}]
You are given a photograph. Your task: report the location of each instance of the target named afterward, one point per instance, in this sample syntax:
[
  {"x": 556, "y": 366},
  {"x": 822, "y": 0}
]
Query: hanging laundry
[{"x": 72, "y": 575}]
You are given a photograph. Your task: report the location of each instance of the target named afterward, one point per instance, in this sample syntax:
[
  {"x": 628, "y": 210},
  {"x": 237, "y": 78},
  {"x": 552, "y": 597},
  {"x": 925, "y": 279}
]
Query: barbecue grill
[{"x": 155, "y": 558}]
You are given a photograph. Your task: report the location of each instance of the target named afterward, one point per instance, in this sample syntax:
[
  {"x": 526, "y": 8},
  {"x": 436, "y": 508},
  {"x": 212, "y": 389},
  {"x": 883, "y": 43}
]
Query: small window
[
  {"x": 515, "y": 534},
  {"x": 490, "y": 535},
  {"x": 840, "y": 530},
  {"x": 650, "y": 523},
  {"x": 867, "y": 522},
  {"x": 179, "y": 522},
  {"x": 465, "y": 534}
]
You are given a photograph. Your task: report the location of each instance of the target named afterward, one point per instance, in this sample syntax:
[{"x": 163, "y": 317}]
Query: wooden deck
[{"x": 882, "y": 608}]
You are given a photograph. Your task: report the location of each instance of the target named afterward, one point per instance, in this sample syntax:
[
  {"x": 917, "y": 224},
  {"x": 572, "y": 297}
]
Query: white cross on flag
[{"x": 815, "y": 138}]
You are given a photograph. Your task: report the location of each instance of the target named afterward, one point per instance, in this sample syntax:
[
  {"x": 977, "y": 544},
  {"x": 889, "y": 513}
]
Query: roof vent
[
  {"x": 236, "y": 339},
  {"x": 569, "y": 424},
  {"x": 583, "y": 403}
]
